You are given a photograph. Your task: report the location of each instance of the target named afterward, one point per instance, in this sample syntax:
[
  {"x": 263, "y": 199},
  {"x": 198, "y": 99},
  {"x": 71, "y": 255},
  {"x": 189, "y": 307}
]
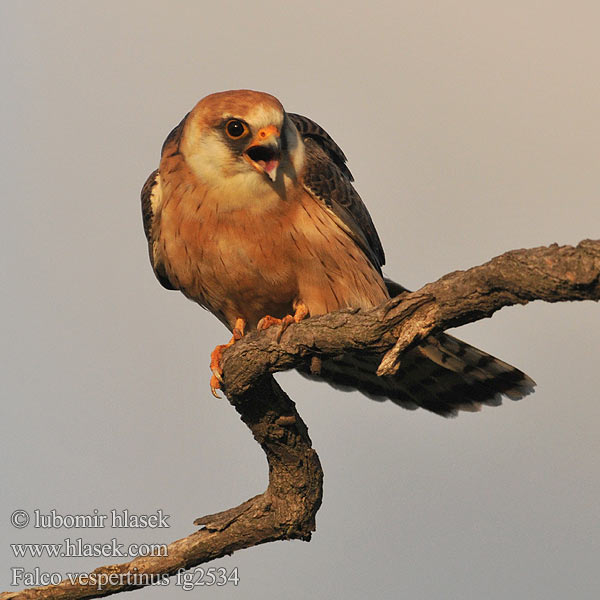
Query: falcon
[{"x": 252, "y": 214}]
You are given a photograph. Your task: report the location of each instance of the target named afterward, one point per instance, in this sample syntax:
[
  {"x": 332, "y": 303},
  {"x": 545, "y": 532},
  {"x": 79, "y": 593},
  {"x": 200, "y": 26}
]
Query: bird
[{"x": 252, "y": 215}]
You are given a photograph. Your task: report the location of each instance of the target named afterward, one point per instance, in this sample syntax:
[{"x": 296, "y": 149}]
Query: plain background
[{"x": 471, "y": 127}]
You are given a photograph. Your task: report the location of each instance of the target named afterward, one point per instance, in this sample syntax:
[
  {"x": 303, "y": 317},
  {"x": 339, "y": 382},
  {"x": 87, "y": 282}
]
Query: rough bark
[{"x": 287, "y": 509}]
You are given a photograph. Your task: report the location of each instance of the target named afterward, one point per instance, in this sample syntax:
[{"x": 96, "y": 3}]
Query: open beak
[{"x": 264, "y": 152}]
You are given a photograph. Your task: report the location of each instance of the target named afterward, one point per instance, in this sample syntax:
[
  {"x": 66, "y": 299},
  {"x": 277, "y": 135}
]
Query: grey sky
[{"x": 471, "y": 128}]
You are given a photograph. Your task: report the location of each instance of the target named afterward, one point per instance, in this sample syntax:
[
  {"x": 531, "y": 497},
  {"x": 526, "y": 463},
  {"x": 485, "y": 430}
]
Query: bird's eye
[{"x": 236, "y": 129}]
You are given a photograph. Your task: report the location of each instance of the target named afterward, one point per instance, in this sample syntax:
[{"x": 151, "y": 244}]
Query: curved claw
[
  {"x": 285, "y": 323},
  {"x": 214, "y": 386},
  {"x": 215, "y": 358},
  {"x": 268, "y": 321},
  {"x": 217, "y": 374}
]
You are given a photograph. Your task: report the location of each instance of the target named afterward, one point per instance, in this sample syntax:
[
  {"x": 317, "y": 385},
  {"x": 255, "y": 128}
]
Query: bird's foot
[
  {"x": 217, "y": 355},
  {"x": 268, "y": 321}
]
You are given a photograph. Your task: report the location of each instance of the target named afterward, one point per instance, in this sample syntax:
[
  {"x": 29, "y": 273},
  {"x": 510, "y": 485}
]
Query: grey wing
[
  {"x": 327, "y": 178},
  {"x": 151, "y": 198},
  {"x": 443, "y": 374}
]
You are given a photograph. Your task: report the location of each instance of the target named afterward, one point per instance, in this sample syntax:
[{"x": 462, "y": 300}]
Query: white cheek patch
[
  {"x": 210, "y": 159},
  {"x": 238, "y": 184}
]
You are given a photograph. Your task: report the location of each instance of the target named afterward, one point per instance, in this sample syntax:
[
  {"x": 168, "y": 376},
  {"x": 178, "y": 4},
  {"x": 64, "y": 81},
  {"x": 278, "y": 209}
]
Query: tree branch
[
  {"x": 552, "y": 274},
  {"x": 287, "y": 509}
]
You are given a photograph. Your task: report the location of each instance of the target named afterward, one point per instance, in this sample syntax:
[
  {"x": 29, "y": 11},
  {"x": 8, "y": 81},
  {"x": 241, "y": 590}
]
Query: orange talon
[
  {"x": 214, "y": 386},
  {"x": 267, "y": 321},
  {"x": 217, "y": 355}
]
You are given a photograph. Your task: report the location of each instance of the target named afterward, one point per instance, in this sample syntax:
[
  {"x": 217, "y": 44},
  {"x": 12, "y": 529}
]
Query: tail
[{"x": 442, "y": 374}]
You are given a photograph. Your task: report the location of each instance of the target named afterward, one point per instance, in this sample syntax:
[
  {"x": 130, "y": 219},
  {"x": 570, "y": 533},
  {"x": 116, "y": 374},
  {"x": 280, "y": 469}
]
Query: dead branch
[{"x": 287, "y": 509}]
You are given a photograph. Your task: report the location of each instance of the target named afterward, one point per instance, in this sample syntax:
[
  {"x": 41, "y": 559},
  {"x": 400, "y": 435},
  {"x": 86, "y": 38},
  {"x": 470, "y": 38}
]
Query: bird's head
[{"x": 241, "y": 139}]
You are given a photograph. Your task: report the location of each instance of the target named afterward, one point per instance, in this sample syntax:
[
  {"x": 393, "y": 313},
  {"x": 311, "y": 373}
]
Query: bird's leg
[
  {"x": 301, "y": 312},
  {"x": 217, "y": 354}
]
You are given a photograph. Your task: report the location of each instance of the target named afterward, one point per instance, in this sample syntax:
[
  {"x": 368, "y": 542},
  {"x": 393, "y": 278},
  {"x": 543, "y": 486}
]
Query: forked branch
[{"x": 287, "y": 509}]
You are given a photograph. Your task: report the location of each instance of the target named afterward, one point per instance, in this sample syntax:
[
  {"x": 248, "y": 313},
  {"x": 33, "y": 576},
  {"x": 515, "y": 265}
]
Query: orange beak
[{"x": 264, "y": 151}]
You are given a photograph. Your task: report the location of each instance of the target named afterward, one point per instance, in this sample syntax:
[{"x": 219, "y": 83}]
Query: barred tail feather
[{"x": 443, "y": 375}]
